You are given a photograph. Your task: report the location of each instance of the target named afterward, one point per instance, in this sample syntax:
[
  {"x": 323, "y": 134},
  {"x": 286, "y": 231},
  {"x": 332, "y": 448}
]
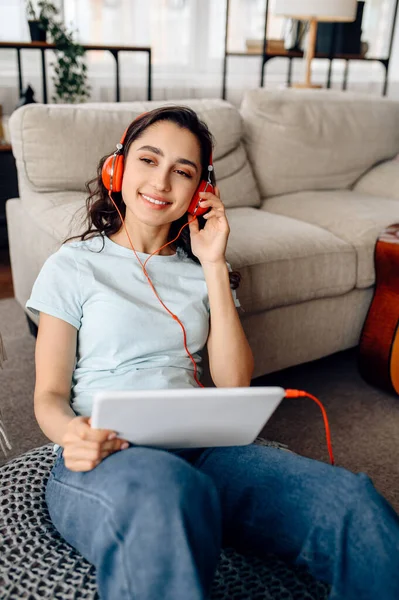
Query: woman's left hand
[{"x": 209, "y": 244}]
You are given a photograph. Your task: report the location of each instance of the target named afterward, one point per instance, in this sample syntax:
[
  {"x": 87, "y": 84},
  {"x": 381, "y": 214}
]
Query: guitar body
[{"x": 379, "y": 343}]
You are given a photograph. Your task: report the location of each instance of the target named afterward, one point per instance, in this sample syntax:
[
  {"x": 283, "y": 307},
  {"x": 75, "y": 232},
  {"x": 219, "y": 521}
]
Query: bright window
[{"x": 187, "y": 40}]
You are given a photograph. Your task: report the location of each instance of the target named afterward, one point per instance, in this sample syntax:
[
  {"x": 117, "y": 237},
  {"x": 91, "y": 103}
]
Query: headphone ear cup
[
  {"x": 113, "y": 182},
  {"x": 194, "y": 209}
]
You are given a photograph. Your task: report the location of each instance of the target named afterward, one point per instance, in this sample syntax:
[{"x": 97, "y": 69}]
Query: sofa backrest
[
  {"x": 57, "y": 147},
  {"x": 316, "y": 139}
]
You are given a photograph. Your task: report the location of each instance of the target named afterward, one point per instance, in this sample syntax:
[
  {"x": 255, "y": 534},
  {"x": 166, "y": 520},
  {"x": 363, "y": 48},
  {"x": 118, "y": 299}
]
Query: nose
[{"x": 161, "y": 180}]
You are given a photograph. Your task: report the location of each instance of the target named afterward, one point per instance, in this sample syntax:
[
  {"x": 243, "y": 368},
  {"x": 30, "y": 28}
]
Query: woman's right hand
[{"x": 84, "y": 447}]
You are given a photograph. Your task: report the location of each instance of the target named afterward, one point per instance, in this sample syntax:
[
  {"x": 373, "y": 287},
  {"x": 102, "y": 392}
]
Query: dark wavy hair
[{"x": 101, "y": 218}]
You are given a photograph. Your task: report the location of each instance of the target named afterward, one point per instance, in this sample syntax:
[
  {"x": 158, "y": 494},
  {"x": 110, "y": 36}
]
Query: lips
[{"x": 155, "y": 202}]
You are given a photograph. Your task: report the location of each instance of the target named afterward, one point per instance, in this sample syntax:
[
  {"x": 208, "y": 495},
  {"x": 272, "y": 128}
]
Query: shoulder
[
  {"x": 69, "y": 257},
  {"x": 188, "y": 266},
  {"x": 75, "y": 252},
  {"x": 80, "y": 247}
]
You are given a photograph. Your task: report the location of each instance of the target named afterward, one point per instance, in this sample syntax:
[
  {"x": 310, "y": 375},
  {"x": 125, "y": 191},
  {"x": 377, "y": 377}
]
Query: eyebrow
[{"x": 181, "y": 161}]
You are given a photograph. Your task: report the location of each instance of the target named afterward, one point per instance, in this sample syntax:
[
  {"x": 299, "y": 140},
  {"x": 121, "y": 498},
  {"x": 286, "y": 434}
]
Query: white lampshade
[{"x": 322, "y": 10}]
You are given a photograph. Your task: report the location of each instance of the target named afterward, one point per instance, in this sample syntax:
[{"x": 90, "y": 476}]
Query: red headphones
[{"x": 112, "y": 175}]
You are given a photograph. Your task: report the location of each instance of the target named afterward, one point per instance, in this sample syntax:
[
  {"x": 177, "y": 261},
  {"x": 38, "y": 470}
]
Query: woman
[{"x": 152, "y": 521}]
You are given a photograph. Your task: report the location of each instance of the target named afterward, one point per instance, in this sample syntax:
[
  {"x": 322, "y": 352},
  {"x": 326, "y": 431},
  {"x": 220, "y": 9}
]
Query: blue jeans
[{"x": 153, "y": 522}]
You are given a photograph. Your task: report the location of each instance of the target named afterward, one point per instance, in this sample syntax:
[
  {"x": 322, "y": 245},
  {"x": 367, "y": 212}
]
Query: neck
[{"x": 145, "y": 239}]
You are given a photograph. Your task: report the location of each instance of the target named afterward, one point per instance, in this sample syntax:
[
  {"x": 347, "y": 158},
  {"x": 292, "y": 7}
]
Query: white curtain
[{"x": 187, "y": 40}]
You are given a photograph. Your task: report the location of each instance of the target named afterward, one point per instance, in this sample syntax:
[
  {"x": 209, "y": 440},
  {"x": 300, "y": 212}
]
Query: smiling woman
[
  {"x": 153, "y": 521},
  {"x": 137, "y": 210},
  {"x": 165, "y": 153}
]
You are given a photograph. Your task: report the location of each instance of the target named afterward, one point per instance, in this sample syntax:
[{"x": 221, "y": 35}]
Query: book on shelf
[{"x": 256, "y": 46}]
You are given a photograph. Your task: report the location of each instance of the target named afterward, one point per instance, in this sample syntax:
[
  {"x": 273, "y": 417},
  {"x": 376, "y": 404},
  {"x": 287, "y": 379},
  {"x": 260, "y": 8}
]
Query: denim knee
[
  {"x": 349, "y": 491},
  {"x": 138, "y": 489},
  {"x": 162, "y": 486},
  {"x": 350, "y": 513}
]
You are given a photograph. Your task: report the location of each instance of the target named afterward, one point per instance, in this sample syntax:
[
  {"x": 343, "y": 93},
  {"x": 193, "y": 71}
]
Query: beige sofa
[{"x": 309, "y": 179}]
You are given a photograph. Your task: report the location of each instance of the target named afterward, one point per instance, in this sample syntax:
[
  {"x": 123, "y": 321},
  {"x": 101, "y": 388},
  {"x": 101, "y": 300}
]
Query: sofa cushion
[
  {"x": 316, "y": 139},
  {"x": 284, "y": 261},
  {"x": 60, "y": 214},
  {"x": 235, "y": 179},
  {"x": 381, "y": 180},
  {"x": 58, "y": 147},
  {"x": 355, "y": 218}
]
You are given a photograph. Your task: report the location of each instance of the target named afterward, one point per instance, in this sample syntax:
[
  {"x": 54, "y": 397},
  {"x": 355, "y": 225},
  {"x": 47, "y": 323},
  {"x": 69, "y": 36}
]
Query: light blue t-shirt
[{"x": 126, "y": 339}]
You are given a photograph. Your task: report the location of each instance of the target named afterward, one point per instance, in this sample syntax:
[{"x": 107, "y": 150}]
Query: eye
[
  {"x": 146, "y": 160},
  {"x": 184, "y": 173}
]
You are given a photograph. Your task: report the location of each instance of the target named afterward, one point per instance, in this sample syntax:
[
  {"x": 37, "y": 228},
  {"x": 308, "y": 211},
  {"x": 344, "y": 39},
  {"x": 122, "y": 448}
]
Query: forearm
[
  {"x": 230, "y": 356},
  {"x": 53, "y": 413}
]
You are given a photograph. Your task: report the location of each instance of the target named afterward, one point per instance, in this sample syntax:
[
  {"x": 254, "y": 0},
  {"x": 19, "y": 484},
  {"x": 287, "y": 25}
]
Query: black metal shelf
[
  {"x": 291, "y": 54},
  {"x": 114, "y": 50}
]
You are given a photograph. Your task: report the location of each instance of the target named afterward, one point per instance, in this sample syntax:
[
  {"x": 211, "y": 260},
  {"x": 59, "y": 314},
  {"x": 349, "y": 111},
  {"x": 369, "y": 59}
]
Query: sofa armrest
[{"x": 382, "y": 180}]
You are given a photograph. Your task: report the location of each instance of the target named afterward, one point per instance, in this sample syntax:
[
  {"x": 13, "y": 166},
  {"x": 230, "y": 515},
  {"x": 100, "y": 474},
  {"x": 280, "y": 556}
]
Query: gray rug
[
  {"x": 17, "y": 379},
  {"x": 364, "y": 420}
]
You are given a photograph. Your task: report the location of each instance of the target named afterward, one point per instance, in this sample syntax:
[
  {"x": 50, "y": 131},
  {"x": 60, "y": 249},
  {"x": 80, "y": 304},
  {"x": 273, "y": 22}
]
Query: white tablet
[{"x": 187, "y": 418}]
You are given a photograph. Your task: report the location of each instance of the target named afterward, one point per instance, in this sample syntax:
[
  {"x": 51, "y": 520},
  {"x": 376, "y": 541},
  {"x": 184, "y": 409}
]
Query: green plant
[
  {"x": 70, "y": 71},
  {"x": 43, "y": 13}
]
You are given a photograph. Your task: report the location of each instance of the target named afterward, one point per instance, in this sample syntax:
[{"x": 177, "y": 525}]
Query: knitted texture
[{"x": 36, "y": 563}]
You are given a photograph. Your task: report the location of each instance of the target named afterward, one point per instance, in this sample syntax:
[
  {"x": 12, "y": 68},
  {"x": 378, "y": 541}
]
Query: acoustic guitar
[{"x": 378, "y": 357}]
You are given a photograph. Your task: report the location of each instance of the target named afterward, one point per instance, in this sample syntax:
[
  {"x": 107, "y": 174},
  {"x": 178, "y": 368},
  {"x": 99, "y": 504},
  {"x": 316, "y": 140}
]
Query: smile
[{"x": 153, "y": 201}]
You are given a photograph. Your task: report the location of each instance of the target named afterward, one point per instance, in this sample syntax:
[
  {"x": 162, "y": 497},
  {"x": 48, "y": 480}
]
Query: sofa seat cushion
[
  {"x": 353, "y": 217},
  {"x": 284, "y": 261}
]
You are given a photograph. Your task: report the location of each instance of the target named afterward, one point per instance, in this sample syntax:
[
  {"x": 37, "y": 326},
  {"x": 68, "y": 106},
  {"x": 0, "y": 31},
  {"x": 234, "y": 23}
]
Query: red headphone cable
[
  {"x": 288, "y": 393},
  {"x": 176, "y": 318},
  {"x": 301, "y": 394}
]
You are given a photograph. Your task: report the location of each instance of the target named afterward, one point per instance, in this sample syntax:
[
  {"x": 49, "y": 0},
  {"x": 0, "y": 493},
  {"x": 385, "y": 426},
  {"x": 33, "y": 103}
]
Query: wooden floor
[{"x": 6, "y": 287}]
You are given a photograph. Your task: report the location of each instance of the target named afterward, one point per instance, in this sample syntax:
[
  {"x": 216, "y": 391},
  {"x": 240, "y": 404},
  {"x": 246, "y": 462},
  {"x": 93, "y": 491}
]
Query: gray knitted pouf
[{"x": 36, "y": 563}]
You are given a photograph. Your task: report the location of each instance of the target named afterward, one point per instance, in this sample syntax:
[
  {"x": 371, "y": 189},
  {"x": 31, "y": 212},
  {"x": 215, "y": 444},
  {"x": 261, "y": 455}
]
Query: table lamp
[{"x": 313, "y": 11}]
